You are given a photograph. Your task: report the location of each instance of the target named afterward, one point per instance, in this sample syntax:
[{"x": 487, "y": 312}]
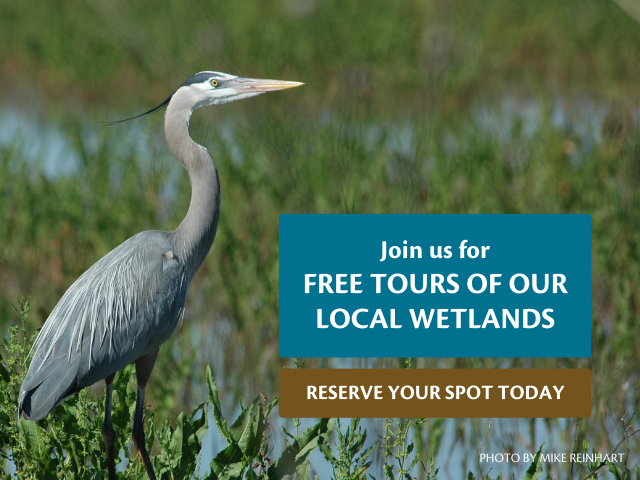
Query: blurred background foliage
[
  {"x": 427, "y": 106},
  {"x": 408, "y": 55}
]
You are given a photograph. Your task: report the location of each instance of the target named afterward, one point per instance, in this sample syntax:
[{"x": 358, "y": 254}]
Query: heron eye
[{"x": 214, "y": 83}]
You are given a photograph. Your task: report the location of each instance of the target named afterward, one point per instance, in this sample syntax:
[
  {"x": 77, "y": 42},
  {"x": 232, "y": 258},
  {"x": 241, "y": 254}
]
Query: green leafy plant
[
  {"x": 350, "y": 462},
  {"x": 246, "y": 443},
  {"x": 398, "y": 449},
  {"x": 68, "y": 443}
]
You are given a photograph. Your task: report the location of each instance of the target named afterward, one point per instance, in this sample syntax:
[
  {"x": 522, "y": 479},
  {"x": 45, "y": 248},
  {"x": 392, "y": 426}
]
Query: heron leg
[
  {"x": 108, "y": 432},
  {"x": 144, "y": 366}
]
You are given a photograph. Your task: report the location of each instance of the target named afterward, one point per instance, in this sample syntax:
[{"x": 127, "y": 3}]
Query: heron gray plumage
[{"x": 128, "y": 304}]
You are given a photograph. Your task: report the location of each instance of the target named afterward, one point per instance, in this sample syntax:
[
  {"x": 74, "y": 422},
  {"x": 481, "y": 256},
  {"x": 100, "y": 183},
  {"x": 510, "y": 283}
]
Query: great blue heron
[{"x": 129, "y": 303}]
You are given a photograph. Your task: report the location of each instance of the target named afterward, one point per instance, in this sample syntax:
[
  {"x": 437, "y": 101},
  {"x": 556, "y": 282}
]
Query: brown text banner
[{"x": 435, "y": 393}]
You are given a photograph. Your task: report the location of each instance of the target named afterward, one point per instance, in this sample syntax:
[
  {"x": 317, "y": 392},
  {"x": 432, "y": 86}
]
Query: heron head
[{"x": 215, "y": 88}]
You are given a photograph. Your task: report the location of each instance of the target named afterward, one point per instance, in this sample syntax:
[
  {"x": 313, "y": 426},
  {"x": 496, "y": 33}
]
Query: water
[
  {"x": 38, "y": 142},
  {"x": 48, "y": 146}
]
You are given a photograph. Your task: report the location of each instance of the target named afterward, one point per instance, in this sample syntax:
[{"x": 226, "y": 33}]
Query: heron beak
[{"x": 255, "y": 85}]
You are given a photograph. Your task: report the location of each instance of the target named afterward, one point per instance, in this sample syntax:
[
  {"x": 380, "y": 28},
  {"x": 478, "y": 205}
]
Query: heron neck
[{"x": 193, "y": 238}]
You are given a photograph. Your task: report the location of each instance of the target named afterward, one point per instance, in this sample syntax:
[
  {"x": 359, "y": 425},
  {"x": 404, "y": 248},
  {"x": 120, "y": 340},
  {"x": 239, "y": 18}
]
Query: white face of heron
[
  {"x": 215, "y": 88},
  {"x": 212, "y": 88}
]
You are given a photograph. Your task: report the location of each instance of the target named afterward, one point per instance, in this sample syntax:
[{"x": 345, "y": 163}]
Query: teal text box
[{"x": 553, "y": 247}]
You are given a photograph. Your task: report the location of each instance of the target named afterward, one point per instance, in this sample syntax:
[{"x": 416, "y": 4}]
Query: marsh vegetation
[{"x": 411, "y": 107}]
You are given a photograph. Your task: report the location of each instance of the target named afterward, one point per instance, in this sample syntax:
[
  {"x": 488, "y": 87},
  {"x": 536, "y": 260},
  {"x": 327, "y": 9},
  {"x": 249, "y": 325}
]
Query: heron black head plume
[{"x": 163, "y": 104}]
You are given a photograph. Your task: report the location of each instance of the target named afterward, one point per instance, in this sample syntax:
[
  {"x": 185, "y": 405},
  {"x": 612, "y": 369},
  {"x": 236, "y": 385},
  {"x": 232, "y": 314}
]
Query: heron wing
[{"x": 123, "y": 307}]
